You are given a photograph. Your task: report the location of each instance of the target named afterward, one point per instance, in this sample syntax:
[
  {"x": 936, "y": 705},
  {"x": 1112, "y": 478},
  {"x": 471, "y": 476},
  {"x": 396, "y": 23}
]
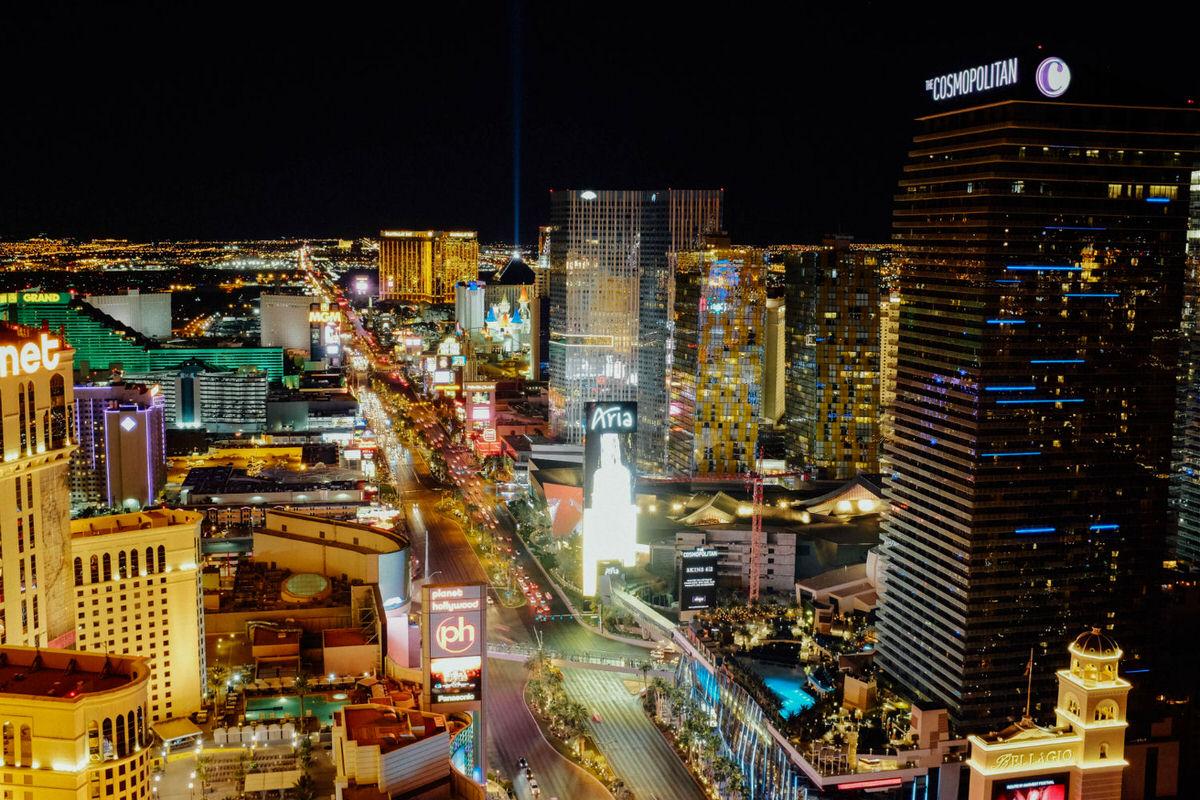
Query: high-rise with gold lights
[
  {"x": 36, "y": 428},
  {"x": 424, "y": 266},
  {"x": 717, "y": 372}
]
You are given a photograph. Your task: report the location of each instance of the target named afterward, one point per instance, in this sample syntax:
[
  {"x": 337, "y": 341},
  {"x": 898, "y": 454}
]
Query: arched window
[
  {"x": 26, "y": 754},
  {"x": 94, "y": 741},
  {"x": 121, "y": 566},
  {"x": 107, "y": 567},
  {"x": 10, "y": 744},
  {"x": 58, "y": 412},
  {"x": 133, "y": 563},
  {"x": 1072, "y": 705},
  {"x": 162, "y": 558},
  {"x": 78, "y": 571},
  {"x": 95, "y": 569},
  {"x": 107, "y": 739},
  {"x": 21, "y": 423},
  {"x": 45, "y": 430},
  {"x": 32, "y": 419},
  {"x": 121, "y": 753},
  {"x": 1104, "y": 749},
  {"x": 1106, "y": 711},
  {"x": 149, "y": 559},
  {"x": 141, "y": 727},
  {"x": 134, "y": 739}
]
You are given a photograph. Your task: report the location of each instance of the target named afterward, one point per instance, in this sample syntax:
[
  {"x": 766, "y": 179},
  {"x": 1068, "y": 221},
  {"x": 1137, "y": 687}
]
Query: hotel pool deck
[
  {"x": 320, "y": 706},
  {"x": 788, "y": 684}
]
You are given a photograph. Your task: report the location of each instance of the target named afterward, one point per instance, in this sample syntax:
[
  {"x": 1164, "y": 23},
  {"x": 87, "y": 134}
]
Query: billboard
[
  {"x": 697, "y": 579},
  {"x": 1036, "y": 787},
  {"x": 609, "y": 512},
  {"x": 455, "y": 680},
  {"x": 453, "y": 635}
]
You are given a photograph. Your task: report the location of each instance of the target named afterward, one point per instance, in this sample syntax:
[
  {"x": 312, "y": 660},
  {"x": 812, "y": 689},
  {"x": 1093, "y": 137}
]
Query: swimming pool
[
  {"x": 788, "y": 688},
  {"x": 317, "y": 705}
]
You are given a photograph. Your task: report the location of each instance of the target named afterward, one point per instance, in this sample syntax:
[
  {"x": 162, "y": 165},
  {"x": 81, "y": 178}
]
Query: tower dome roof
[{"x": 1096, "y": 643}]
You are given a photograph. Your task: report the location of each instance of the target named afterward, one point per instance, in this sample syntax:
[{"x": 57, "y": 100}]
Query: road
[
  {"x": 516, "y": 735},
  {"x": 634, "y": 749}
]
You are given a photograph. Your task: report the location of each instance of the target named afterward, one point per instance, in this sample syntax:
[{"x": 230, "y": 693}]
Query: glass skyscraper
[
  {"x": 1036, "y": 359},
  {"x": 610, "y": 301}
]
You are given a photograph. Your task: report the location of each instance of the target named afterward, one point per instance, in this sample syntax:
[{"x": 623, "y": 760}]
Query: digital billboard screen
[
  {"x": 697, "y": 579},
  {"x": 609, "y": 513},
  {"x": 1037, "y": 787},
  {"x": 455, "y": 680}
]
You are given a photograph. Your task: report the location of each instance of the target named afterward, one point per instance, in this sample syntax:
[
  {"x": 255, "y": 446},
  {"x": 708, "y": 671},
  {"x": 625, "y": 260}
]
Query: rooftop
[
  {"x": 65, "y": 674},
  {"x": 140, "y": 520},
  {"x": 388, "y": 727}
]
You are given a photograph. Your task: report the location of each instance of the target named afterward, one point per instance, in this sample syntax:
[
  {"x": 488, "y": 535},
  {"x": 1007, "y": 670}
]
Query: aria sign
[
  {"x": 612, "y": 418},
  {"x": 30, "y": 358},
  {"x": 1052, "y": 78}
]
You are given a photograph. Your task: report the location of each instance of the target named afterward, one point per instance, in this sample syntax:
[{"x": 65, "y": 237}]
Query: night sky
[{"x": 215, "y": 122}]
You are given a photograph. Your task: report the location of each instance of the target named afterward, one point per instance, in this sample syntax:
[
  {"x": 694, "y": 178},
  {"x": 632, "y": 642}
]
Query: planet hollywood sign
[{"x": 30, "y": 357}]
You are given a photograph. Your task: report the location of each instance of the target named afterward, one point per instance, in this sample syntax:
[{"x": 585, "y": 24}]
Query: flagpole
[{"x": 1029, "y": 687}]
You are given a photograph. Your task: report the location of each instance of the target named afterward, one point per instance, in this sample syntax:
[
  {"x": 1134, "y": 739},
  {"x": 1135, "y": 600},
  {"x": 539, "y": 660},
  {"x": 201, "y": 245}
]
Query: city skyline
[{"x": 269, "y": 131}]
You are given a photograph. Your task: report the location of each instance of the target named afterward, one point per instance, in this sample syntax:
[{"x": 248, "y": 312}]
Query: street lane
[
  {"x": 637, "y": 752},
  {"x": 515, "y": 735}
]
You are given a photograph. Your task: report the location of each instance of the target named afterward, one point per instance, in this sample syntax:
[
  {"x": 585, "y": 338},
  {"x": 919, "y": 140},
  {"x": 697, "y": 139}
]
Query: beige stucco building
[{"x": 138, "y": 592}]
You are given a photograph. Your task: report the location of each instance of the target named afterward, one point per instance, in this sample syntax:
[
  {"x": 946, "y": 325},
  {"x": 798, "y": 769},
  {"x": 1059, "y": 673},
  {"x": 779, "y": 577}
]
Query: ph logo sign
[{"x": 455, "y": 635}]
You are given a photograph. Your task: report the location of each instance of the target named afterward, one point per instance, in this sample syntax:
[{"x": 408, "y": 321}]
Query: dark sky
[{"x": 218, "y": 122}]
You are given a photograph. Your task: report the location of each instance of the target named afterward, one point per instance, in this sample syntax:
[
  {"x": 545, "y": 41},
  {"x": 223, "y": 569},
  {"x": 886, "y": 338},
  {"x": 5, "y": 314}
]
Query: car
[
  {"x": 534, "y": 789},
  {"x": 522, "y": 763},
  {"x": 528, "y": 773}
]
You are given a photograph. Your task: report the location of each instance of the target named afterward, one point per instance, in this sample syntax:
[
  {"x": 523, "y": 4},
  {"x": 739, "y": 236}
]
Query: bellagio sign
[{"x": 29, "y": 357}]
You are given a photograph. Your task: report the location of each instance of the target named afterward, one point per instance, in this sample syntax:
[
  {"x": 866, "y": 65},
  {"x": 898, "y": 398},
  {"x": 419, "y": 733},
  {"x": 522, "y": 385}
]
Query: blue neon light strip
[
  {"x": 1034, "y": 530},
  {"x": 1090, "y": 294},
  {"x": 1008, "y": 388},
  {"x": 1070, "y": 228},
  {"x": 1056, "y": 361},
  {"x": 1158, "y": 199},
  {"x": 1006, "y": 322},
  {"x": 1008, "y": 280},
  {"x": 1105, "y": 527},
  {"x": 1065, "y": 400},
  {"x": 1035, "y": 268},
  {"x": 1135, "y": 671},
  {"x": 1021, "y": 453}
]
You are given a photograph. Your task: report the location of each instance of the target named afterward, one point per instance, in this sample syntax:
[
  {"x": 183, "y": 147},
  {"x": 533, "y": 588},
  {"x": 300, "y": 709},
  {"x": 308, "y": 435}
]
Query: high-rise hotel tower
[
  {"x": 611, "y": 292},
  {"x": 1038, "y": 342}
]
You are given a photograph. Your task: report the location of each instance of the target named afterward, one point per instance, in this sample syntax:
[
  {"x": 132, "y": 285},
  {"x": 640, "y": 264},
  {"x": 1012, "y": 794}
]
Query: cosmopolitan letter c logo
[{"x": 1053, "y": 77}]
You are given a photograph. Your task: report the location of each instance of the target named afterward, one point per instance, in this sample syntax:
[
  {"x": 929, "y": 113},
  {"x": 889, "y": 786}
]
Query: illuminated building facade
[
  {"x": 424, "y": 266},
  {"x": 75, "y": 725},
  {"x": 717, "y": 372},
  {"x": 1186, "y": 466},
  {"x": 610, "y": 289},
  {"x": 121, "y": 458},
  {"x": 1082, "y": 756},
  {"x": 1035, "y": 389},
  {"x": 36, "y": 429},
  {"x": 148, "y": 314},
  {"x": 138, "y": 593},
  {"x": 775, "y": 365},
  {"x": 102, "y": 343},
  {"x": 835, "y": 403},
  {"x": 283, "y": 320}
]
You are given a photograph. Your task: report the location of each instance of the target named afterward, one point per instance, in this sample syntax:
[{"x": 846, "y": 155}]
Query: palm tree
[
  {"x": 302, "y": 685},
  {"x": 645, "y": 667},
  {"x": 305, "y": 788}
]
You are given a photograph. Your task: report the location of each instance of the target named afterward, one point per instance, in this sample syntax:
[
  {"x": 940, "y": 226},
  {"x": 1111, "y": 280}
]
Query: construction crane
[{"x": 754, "y": 481}]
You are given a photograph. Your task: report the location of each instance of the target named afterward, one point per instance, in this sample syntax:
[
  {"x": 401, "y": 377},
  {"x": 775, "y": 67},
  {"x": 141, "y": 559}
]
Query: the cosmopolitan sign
[
  {"x": 29, "y": 357},
  {"x": 996, "y": 75}
]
